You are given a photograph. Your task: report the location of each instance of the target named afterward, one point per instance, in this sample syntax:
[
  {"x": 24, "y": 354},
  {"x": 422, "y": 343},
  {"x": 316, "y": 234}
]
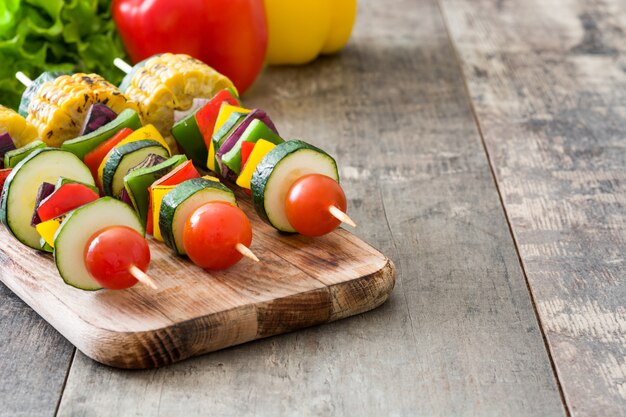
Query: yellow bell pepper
[
  {"x": 48, "y": 229},
  {"x": 158, "y": 193},
  {"x": 300, "y": 30},
  {"x": 226, "y": 110},
  {"x": 262, "y": 148}
]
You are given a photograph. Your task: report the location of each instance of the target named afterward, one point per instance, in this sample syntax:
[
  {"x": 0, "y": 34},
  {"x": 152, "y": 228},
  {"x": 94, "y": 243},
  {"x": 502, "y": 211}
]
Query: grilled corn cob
[
  {"x": 21, "y": 131},
  {"x": 61, "y": 105},
  {"x": 168, "y": 82}
]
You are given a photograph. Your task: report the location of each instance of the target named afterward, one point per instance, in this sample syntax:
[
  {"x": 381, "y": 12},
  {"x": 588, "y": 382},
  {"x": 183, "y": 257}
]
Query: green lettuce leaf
[{"x": 55, "y": 35}]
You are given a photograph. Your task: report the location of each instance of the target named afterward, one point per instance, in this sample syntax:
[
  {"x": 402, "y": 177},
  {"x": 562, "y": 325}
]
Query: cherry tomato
[
  {"x": 110, "y": 253},
  {"x": 308, "y": 201},
  {"x": 212, "y": 232}
]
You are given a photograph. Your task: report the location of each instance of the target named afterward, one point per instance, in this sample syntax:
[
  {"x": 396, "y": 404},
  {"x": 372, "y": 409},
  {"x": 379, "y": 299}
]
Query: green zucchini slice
[
  {"x": 182, "y": 201},
  {"x": 275, "y": 174},
  {"x": 76, "y": 230},
  {"x": 123, "y": 159},
  {"x": 20, "y": 189}
]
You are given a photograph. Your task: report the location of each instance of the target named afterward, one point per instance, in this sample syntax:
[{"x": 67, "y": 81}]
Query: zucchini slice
[
  {"x": 182, "y": 201},
  {"x": 20, "y": 189},
  {"x": 123, "y": 159},
  {"x": 12, "y": 158},
  {"x": 280, "y": 168},
  {"x": 76, "y": 230}
]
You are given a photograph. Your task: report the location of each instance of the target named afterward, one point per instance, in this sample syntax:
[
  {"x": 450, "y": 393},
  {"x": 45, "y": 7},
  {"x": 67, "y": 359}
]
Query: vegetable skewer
[
  {"x": 341, "y": 216},
  {"x": 142, "y": 277},
  {"x": 24, "y": 79},
  {"x": 122, "y": 65},
  {"x": 245, "y": 251},
  {"x": 225, "y": 127}
]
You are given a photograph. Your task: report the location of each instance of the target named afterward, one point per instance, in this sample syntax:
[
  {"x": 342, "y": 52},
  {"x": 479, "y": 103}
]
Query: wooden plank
[
  {"x": 548, "y": 82},
  {"x": 34, "y": 361},
  {"x": 458, "y": 336}
]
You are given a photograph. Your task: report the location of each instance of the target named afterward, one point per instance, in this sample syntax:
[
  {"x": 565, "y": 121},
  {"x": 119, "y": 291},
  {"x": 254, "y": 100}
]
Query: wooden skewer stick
[
  {"x": 122, "y": 65},
  {"x": 341, "y": 216},
  {"x": 142, "y": 277},
  {"x": 23, "y": 78},
  {"x": 245, "y": 251}
]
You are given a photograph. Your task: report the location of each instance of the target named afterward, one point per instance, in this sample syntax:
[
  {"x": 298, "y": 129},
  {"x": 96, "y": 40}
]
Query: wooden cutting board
[{"x": 300, "y": 282}]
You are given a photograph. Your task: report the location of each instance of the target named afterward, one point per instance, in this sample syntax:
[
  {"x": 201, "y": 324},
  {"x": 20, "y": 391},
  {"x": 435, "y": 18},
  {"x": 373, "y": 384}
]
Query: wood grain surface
[
  {"x": 34, "y": 359},
  {"x": 458, "y": 335},
  {"x": 548, "y": 82},
  {"x": 470, "y": 135}
]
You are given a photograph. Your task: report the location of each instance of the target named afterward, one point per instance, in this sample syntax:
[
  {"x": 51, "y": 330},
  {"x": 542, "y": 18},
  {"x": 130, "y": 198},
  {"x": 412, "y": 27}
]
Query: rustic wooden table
[{"x": 483, "y": 148}]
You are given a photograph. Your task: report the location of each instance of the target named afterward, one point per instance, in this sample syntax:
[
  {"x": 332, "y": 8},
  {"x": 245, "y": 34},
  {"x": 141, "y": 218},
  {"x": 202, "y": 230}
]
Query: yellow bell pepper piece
[
  {"x": 48, "y": 229},
  {"x": 262, "y": 148},
  {"x": 146, "y": 132},
  {"x": 211, "y": 178},
  {"x": 158, "y": 193},
  {"x": 299, "y": 31},
  {"x": 225, "y": 111}
]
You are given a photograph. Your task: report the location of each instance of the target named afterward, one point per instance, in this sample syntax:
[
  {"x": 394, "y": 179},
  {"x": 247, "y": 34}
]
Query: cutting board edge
[{"x": 345, "y": 299}]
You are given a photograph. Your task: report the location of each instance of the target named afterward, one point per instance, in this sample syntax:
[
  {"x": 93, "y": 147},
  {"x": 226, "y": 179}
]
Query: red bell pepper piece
[
  {"x": 246, "y": 150},
  {"x": 207, "y": 115},
  {"x": 183, "y": 172},
  {"x": 94, "y": 158},
  {"x": 66, "y": 198},
  {"x": 4, "y": 173}
]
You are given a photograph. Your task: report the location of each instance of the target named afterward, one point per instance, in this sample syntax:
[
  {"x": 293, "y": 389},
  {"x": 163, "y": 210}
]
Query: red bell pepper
[
  {"x": 183, "y": 172},
  {"x": 246, "y": 150},
  {"x": 228, "y": 35},
  {"x": 66, "y": 198},
  {"x": 94, "y": 158},
  {"x": 4, "y": 173},
  {"x": 207, "y": 115}
]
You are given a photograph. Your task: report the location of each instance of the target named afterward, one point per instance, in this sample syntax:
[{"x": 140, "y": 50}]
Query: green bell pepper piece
[
  {"x": 12, "y": 158},
  {"x": 82, "y": 145},
  {"x": 188, "y": 136},
  {"x": 139, "y": 180},
  {"x": 224, "y": 132},
  {"x": 255, "y": 131}
]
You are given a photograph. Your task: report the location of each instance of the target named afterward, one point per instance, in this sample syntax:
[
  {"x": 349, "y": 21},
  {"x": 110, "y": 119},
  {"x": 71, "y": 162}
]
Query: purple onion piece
[
  {"x": 149, "y": 161},
  {"x": 196, "y": 105},
  {"x": 98, "y": 115},
  {"x": 126, "y": 198},
  {"x": 45, "y": 190},
  {"x": 236, "y": 135},
  {"x": 6, "y": 145}
]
